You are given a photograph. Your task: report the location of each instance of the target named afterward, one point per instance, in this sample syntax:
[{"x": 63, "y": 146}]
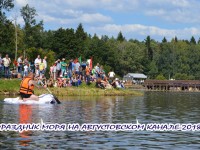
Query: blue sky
[{"x": 136, "y": 19}]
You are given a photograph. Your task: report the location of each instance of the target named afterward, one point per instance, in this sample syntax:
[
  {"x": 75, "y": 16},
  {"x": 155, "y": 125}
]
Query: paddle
[{"x": 57, "y": 100}]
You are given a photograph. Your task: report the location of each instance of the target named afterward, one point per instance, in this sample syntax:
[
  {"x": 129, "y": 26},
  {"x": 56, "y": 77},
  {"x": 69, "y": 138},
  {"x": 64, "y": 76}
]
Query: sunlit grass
[{"x": 12, "y": 87}]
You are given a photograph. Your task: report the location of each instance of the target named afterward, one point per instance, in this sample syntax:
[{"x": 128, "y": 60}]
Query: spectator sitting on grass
[
  {"x": 59, "y": 82},
  {"x": 74, "y": 80},
  {"x": 116, "y": 83},
  {"x": 100, "y": 83},
  {"x": 50, "y": 82}
]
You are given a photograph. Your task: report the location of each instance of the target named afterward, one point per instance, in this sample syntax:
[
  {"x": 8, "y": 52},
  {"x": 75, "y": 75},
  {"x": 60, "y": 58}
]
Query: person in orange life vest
[{"x": 27, "y": 87}]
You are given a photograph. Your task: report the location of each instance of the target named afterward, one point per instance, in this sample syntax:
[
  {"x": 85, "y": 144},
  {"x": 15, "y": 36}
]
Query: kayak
[{"x": 43, "y": 99}]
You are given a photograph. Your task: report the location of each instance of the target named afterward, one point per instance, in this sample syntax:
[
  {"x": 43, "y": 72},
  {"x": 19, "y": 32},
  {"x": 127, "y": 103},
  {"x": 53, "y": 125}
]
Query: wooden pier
[{"x": 172, "y": 85}]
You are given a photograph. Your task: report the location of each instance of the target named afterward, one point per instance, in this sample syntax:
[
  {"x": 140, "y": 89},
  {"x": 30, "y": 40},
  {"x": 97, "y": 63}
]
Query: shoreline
[
  {"x": 80, "y": 92},
  {"x": 11, "y": 88}
]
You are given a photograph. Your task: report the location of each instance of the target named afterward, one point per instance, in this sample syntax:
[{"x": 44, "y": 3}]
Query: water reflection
[{"x": 25, "y": 117}]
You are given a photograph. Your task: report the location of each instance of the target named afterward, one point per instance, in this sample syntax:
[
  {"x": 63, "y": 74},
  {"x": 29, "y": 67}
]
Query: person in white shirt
[
  {"x": 117, "y": 83},
  {"x": 26, "y": 68},
  {"x": 6, "y": 62},
  {"x": 37, "y": 62},
  {"x": 111, "y": 75},
  {"x": 45, "y": 64}
]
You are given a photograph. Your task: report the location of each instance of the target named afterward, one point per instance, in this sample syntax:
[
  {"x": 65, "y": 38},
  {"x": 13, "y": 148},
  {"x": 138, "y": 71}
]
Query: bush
[{"x": 160, "y": 77}]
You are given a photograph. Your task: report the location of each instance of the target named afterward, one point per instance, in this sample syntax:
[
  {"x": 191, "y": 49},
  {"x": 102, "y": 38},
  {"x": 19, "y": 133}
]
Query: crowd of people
[{"x": 61, "y": 73}]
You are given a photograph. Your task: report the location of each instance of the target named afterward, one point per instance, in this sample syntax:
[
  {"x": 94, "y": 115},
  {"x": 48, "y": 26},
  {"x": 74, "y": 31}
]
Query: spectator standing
[
  {"x": 41, "y": 68},
  {"x": 26, "y": 61},
  {"x": 6, "y": 62},
  {"x": 70, "y": 68},
  {"x": 1, "y": 66},
  {"x": 20, "y": 64},
  {"x": 87, "y": 73},
  {"x": 32, "y": 66},
  {"x": 102, "y": 72},
  {"x": 26, "y": 68},
  {"x": 58, "y": 68},
  {"x": 73, "y": 67},
  {"x": 51, "y": 71},
  {"x": 63, "y": 67},
  {"x": 37, "y": 62},
  {"x": 76, "y": 67},
  {"x": 54, "y": 70},
  {"x": 45, "y": 64},
  {"x": 97, "y": 70}
]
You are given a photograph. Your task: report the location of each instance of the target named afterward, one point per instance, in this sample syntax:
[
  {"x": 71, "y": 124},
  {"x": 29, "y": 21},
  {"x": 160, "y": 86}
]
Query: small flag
[
  {"x": 89, "y": 61},
  {"x": 79, "y": 59}
]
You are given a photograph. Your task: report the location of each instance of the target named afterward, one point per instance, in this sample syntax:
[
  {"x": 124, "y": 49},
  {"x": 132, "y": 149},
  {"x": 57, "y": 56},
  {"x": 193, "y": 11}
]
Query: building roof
[{"x": 136, "y": 75}]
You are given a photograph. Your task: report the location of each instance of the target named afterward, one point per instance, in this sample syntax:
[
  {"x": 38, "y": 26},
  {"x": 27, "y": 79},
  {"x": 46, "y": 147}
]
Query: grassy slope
[{"x": 12, "y": 87}]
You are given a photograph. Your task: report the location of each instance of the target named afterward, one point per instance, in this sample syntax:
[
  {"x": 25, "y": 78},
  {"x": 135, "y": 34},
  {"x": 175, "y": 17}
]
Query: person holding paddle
[{"x": 27, "y": 88}]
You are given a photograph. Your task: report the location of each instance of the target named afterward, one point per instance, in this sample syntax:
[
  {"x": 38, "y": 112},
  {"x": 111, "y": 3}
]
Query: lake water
[{"x": 153, "y": 107}]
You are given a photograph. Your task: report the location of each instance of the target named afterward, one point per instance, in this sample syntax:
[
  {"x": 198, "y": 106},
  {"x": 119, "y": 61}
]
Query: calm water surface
[{"x": 153, "y": 107}]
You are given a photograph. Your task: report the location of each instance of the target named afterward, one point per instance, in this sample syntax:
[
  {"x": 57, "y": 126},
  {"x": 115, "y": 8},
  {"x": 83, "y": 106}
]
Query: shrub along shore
[{"x": 11, "y": 87}]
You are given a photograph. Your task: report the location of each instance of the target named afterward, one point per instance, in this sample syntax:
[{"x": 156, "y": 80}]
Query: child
[
  {"x": 59, "y": 82},
  {"x": 50, "y": 82},
  {"x": 26, "y": 69}
]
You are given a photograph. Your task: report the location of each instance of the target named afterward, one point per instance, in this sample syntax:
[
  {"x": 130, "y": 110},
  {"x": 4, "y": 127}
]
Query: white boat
[{"x": 43, "y": 99}]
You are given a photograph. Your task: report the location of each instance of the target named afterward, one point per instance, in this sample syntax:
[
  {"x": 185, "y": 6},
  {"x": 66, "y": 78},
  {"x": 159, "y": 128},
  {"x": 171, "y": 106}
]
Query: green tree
[
  {"x": 153, "y": 70},
  {"x": 64, "y": 43},
  {"x": 28, "y": 13},
  {"x": 7, "y": 34},
  {"x": 164, "y": 40},
  {"x": 176, "y": 39},
  {"x": 81, "y": 37},
  {"x": 180, "y": 76},
  {"x": 160, "y": 77},
  {"x": 6, "y": 28},
  {"x": 192, "y": 40},
  {"x": 149, "y": 49},
  {"x": 33, "y": 33},
  {"x": 5, "y": 5},
  {"x": 120, "y": 37}
]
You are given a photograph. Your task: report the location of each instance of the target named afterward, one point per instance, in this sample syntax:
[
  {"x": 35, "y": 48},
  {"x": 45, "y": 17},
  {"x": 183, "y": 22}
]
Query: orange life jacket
[{"x": 25, "y": 88}]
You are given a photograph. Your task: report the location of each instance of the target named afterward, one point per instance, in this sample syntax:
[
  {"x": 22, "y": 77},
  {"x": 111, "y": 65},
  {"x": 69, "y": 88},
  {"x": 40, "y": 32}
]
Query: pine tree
[
  {"x": 120, "y": 37},
  {"x": 164, "y": 40},
  {"x": 192, "y": 40}
]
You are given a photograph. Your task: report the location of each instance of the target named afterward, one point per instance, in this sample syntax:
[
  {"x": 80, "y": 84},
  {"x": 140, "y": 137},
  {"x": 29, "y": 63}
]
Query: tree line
[{"x": 177, "y": 59}]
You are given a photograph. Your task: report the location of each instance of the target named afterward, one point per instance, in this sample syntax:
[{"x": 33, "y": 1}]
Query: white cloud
[
  {"x": 96, "y": 18},
  {"x": 21, "y": 2},
  {"x": 180, "y": 3},
  {"x": 101, "y": 16},
  {"x": 137, "y": 30},
  {"x": 66, "y": 12},
  {"x": 174, "y": 11},
  {"x": 76, "y": 19}
]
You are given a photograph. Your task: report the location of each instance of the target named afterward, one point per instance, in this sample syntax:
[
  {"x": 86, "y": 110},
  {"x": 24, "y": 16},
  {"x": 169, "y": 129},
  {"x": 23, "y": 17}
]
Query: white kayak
[{"x": 43, "y": 99}]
